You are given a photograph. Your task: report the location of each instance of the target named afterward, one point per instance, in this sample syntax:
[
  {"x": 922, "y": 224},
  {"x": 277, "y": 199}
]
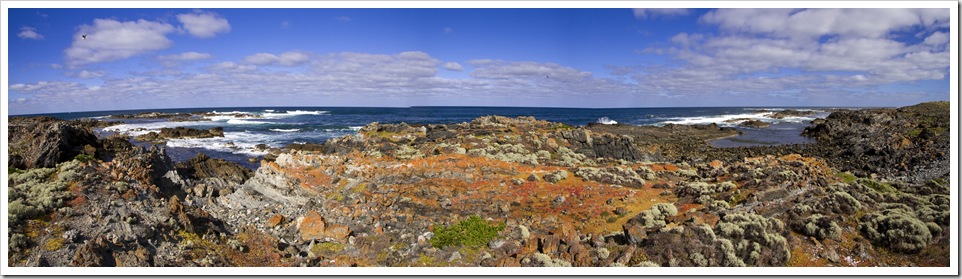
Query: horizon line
[{"x": 444, "y": 106}]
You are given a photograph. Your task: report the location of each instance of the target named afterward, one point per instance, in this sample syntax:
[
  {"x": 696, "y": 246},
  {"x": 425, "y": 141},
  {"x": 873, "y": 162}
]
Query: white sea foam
[
  {"x": 136, "y": 129},
  {"x": 221, "y": 117},
  {"x": 726, "y": 119},
  {"x": 717, "y": 119},
  {"x": 237, "y": 121},
  {"x": 294, "y": 113},
  {"x": 355, "y": 128},
  {"x": 606, "y": 121},
  {"x": 285, "y": 130},
  {"x": 269, "y": 110},
  {"x": 229, "y": 112},
  {"x": 232, "y": 142}
]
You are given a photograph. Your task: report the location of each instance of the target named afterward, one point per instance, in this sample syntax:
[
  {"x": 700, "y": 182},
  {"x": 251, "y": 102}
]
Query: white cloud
[
  {"x": 231, "y": 67},
  {"x": 84, "y": 74},
  {"x": 290, "y": 58},
  {"x": 651, "y": 13},
  {"x": 110, "y": 40},
  {"x": 937, "y": 39},
  {"x": 261, "y": 58},
  {"x": 448, "y": 30},
  {"x": 204, "y": 25},
  {"x": 56, "y": 66},
  {"x": 29, "y": 33},
  {"x": 343, "y": 18},
  {"x": 285, "y": 24},
  {"x": 452, "y": 66},
  {"x": 523, "y": 70},
  {"x": 799, "y": 53},
  {"x": 821, "y": 22},
  {"x": 185, "y": 56}
]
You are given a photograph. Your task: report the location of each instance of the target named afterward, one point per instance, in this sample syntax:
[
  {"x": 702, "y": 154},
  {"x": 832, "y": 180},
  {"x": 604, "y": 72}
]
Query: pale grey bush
[
  {"x": 820, "y": 227},
  {"x": 655, "y": 217},
  {"x": 17, "y": 241},
  {"x": 897, "y": 229},
  {"x": 751, "y": 234},
  {"x": 698, "y": 188}
]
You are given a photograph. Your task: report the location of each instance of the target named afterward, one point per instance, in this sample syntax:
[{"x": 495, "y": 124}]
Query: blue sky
[{"x": 168, "y": 58}]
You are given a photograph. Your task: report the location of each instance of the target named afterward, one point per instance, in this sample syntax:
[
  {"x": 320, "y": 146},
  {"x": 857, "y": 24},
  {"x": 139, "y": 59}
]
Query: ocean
[{"x": 280, "y": 126}]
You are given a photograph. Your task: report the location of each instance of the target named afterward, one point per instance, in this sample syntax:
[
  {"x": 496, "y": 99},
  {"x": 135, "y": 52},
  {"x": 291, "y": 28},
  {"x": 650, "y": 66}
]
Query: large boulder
[
  {"x": 202, "y": 166},
  {"x": 45, "y": 141}
]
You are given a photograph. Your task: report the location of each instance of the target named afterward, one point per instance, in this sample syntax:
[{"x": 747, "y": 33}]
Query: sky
[{"x": 594, "y": 58}]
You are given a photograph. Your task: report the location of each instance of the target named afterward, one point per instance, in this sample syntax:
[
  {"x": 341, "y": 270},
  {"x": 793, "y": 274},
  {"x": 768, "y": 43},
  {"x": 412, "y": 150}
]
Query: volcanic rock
[{"x": 45, "y": 141}]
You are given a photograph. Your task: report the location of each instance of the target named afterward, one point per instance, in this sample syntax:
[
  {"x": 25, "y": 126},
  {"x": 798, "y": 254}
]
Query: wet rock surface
[
  {"x": 180, "y": 133},
  {"x": 531, "y": 193}
]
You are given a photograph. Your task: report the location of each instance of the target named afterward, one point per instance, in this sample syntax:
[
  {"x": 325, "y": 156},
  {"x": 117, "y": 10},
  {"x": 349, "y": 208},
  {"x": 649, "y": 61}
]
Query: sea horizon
[{"x": 198, "y": 109}]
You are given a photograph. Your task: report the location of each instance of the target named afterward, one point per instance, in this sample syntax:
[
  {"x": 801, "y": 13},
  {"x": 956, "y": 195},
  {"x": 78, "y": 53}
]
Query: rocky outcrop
[
  {"x": 754, "y": 123},
  {"x": 180, "y": 133},
  {"x": 202, "y": 166},
  {"x": 603, "y": 145},
  {"x": 38, "y": 142},
  {"x": 908, "y": 143},
  {"x": 790, "y": 113}
]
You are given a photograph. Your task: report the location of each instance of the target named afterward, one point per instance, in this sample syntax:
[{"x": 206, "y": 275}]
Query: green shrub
[
  {"x": 83, "y": 158},
  {"x": 473, "y": 232}
]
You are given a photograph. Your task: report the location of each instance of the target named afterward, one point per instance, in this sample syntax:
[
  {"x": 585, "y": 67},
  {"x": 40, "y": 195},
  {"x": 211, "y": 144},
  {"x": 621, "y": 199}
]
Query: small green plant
[
  {"x": 612, "y": 219},
  {"x": 474, "y": 232},
  {"x": 848, "y": 178},
  {"x": 83, "y": 158},
  {"x": 880, "y": 187}
]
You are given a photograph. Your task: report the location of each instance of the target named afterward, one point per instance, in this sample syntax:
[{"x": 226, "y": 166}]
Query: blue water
[{"x": 279, "y": 126}]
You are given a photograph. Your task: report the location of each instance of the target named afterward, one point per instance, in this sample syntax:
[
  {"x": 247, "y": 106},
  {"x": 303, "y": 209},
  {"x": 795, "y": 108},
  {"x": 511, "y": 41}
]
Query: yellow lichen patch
[
  {"x": 327, "y": 249},
  {"x": 804, "y": 255},
  {"x": 640, "y": 200},
  {"x": 53, "y": 244}
]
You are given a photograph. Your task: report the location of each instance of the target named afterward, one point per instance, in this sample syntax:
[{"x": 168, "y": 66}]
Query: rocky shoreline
[{"x": 496, "y": 191}]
